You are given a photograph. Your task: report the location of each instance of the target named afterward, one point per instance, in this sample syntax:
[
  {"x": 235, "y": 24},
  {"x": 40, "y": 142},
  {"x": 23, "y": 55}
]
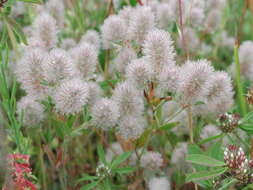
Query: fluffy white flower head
[
  {"x": 159, "y": 183},
  {"x": 59, "y": 66},
  {"x": 131, "y": 127},
  {"x": 113, "y": 31},
  {"x": 92, "y": 37},
  {"x": 142, "y": 20},
  {"x": 30, "y": 72},
  {"x": 123, "y": 58},
  {"x": 151, "y": 160},
  {"x": 158, "y": 47},
  {"x": 71, "y": 96},
  {"x": 86, "y": 57},
  {"x": 32, "y": 110},
  {"x": 129, "y": 99},
  {"x": 105, "y": 113},
  {"x": 45, "y": 30},
  {"x": 139, "y": 72},
  {"x": 193, "y": 80}
]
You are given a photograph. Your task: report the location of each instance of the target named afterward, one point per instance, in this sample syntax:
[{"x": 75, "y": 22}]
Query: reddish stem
[{"x": 140, "y": 2}]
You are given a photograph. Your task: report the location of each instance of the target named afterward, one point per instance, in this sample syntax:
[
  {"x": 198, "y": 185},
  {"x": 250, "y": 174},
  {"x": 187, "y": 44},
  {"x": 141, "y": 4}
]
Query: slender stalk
[
  {"x": 182, "y": 29},
  {"x": 190, "y": 124},
  {"x": 239, "y": 84},
  {"x": 140, "y": 2}
]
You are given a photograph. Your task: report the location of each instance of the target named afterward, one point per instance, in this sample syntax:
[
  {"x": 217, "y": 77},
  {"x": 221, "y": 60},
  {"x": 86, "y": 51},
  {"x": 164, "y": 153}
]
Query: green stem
[
  {"x": 239, "y": 84},
  {"x": 190, "y": 125}
]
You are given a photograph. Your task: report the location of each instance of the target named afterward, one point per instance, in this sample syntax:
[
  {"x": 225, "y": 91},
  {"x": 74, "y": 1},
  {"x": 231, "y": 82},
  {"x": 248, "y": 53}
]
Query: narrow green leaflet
[
  {"x": 121, "y": 158},
  {"x": 215, "y": 151},
  {"x": 169, "y": 126},
  {"x": 90, "y": 186},
  {"x": 247, "y": 127},
  {"x": 143, "y": 139},
  {"x": 203, "y": 160},
  {"x": 87, "y": 178},
  {"x": 211, "y": 138},
  {"x": 32, "y": 1},
  {"x": 204, "y": 175},
  {"x": 247, "y": 117},
  {"x": 125, "y": 170},
  {"x": 228, "y": 184},
  {"x": 17, "y": 28},
  {"x": 101, "y": 153}
]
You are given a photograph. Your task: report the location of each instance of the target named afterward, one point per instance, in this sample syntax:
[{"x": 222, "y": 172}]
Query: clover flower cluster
[
  {"x": 103, "y": 170},
  {"x": 228, "y": 122},
  {"x": 239, "y": 166}
]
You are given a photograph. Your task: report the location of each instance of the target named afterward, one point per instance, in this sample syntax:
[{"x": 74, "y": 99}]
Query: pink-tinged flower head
[
  {"x": 71, "y": 96},
  {"x": 56, "y": 9},
  {"x": 166, "y": 14},
  {"x": 131, "y": 127},
  {"x": 92, "y": 37},
  {"x": 228, "y": 122},
  {"x": 124, "y": 57},
  {"x": 239, "y": 166},
  {"x": 169, "y": 78},
  {"x": 126, "y": 13},
  {"x": 139, "y": 72},
  {"x": 68, "y": 43},
  {"x": 161, "y": 183},
  {"x": 141, "y": 22},
  {"x": 113, "y": 31},
  {"x": 30, "y": 72},
  {"x": 218, "y": 91},
  {"x": 158, "y": 47},
  {"x": 105, "y": 113},
  {"x": 33, "y": 111},
  {"x": 151, "y": 160},
  {"x": 86, "y": 58},
  {"x": 45, "y": 30},
  {"x": 59, "y": 66},
  {"x": 95, "y": 92},
  {"x": 193, "y": 80},
  {"x": 129, "y": 99},
  {"x": 246, "y": 59}
]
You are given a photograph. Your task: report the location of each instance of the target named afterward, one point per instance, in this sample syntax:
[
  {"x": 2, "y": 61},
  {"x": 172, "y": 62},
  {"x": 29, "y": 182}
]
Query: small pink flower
[{"x": 20, "y": 172}]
